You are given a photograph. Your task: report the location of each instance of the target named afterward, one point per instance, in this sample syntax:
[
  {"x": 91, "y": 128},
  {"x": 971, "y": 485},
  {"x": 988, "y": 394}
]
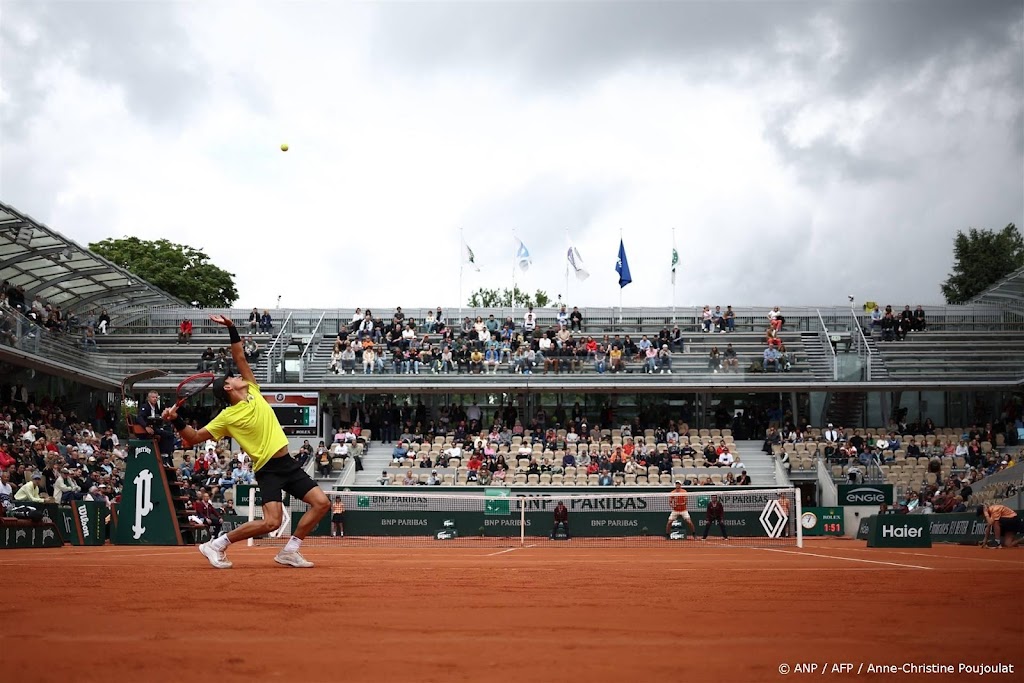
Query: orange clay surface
[{"x": 542, "y": 613}]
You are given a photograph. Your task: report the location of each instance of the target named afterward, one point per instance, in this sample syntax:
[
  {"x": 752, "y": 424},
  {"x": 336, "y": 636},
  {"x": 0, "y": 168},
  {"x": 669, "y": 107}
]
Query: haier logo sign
[{"x": 890, "y": 531}]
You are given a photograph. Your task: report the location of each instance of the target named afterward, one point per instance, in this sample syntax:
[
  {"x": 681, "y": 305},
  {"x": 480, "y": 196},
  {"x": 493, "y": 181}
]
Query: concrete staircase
[
  {"x": 759, "y": 465},
  {"x": 375, "y": 459},
  {"x": 818, "y": 357}
]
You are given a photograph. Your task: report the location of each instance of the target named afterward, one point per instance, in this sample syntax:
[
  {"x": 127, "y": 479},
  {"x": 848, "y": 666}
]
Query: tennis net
[{"x": 504, "y": 517}]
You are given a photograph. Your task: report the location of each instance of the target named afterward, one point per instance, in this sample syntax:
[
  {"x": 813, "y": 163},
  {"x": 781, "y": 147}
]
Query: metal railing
[
  {"x": 826, "y": 340},
  {"x": 277, "y": 349},
  {"x": 311, "y": 347},
  {"x": 860, "y": 343},
  {"x": 826, "y": 485}
]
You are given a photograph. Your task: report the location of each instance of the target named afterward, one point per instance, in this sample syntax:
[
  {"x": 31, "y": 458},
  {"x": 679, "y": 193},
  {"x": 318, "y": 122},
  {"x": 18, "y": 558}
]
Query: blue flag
[{"x": 622, "y": 266}]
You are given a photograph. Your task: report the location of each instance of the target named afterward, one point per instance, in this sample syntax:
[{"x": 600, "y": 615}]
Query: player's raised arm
[
  {"x": 189, "y": 436},
  {"x": 237, "y": 352}
]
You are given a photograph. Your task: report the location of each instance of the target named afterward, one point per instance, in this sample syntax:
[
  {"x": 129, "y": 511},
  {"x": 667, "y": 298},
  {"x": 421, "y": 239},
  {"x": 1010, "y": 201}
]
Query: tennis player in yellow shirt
[{"x": 251, "y": 422}]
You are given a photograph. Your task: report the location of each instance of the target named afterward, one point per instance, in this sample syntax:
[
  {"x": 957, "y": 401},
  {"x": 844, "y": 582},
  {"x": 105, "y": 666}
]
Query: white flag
[
  {"x": 469, "y": 258},
  {"x": 576, "y": 261},
  {"x": 523, "y": 256}
]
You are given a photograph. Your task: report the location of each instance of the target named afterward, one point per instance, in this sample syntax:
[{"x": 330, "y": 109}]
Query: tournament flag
[
  {"x": 675, "y": 260},
  {"x": 523, "y": 256},
  {"x": 576, "y": 261},
  {"x": 469, "y": 258},
  {"x": 622, "y": 266}
]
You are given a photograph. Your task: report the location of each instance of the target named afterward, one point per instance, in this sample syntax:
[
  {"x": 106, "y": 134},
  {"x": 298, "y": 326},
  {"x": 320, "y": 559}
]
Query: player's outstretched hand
[
  {"x": 222, "y": 320},
  {"x": 169, "y": 414}
]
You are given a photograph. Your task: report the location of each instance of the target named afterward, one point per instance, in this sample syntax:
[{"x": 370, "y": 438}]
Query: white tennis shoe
[
  {"x": 292, "y": 560},
  {"x": 218, "y": 559}
]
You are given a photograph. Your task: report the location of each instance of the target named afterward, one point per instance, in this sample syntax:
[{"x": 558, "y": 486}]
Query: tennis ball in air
[{"x": 284, "y": 148}]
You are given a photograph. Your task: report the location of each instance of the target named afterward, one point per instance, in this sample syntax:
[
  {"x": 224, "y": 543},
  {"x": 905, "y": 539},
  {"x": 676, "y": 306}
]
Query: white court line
[
  {"x": 796, "y": 569},
  {"x": 1019, "y": 563},
  {"x": 508, "y": 550},
  {"x": 848, "y": 559}
]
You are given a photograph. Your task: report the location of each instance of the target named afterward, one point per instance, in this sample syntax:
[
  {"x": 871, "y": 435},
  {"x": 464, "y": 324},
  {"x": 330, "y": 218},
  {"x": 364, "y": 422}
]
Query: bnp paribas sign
[{"x": 865, "y": 494}]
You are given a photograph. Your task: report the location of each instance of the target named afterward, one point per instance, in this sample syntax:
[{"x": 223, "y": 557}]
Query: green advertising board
[
  {"x": 84, "y": 523},
  {"x": 952, "y": 527},
  {"x": 865, "y": 494},
  {"x": 822, "y": 521},
  {"x": 899, "y": 531},
  {"x": 41, "y": 535},
  {"x": 502, "y": 512},
  {"x": 146, "y": 515}
]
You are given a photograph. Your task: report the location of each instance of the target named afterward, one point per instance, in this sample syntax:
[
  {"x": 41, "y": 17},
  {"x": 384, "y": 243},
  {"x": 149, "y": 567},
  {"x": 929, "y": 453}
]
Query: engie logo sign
[{"x": 865, "y": 494}]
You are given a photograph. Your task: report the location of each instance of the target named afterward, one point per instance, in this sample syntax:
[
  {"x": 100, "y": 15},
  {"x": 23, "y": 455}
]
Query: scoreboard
[{"x": 298, "y": 412}]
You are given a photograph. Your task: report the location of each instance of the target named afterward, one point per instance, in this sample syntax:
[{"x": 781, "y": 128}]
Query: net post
[
  {"x": 252, "y": 513},
  {"x": 522, "y": 521},
  {"x": 799, "y": 519}
]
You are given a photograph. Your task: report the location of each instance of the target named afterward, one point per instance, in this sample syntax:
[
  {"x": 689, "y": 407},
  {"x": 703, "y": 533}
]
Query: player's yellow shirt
[{"x": 253, "y": 424}]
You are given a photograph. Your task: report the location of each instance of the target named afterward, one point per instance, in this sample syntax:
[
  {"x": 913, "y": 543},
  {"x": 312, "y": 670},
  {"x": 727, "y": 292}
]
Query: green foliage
[
  {"x": 982, "y": 258},
  {"x": 177, "y": 269},
  {"x": 493, "y": 298}
]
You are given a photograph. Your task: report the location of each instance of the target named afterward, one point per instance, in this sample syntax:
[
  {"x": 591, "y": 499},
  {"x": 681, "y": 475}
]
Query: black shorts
[
  {"x": 1009, "y": 525},
  {"x": 283, "y": 474},
  {"x": 337, "y": 517}
]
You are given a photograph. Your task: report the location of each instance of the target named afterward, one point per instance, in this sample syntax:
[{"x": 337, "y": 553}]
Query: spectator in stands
[
  {"x": 323, "y": 460},
  {"x": 348, "y": 359},
  {"x": 529, "y": 322},
  {"x": 771, "y": 358},
  {"x": 920, "y": 323},
  {"x": 335, "y": 365},
  {"x": 103, "y": 324},
  {"x": 714, "y": 360},
  {"x": 65, "y": 488},
  {"x": 266, "y": 323},
  {"x": 491, "y": 357},
  {"x": 888, "y": 326},
  {"x": 251, "y": 350},
  {"x": 185, "y": 332},
  {"x": 743, "y": 479},
  {"x": 729, "y": 318},
  {"x": 717, "y": 320},
  {"x": 730, "y": 360},
  {"x": 410, "y": 478},
  {"x": 30, "y": 491},
  {"x": 207, "y": 360},
  {"x": 383, "y": 479},
  {"x": 88, "y": 338},
  {"x": 616, "y": 360},
  {"x": 651, "y": 359},
  {"x": 209, "y": 514},
  {"x": 576, "y": 320},
  {"x": 369, "y": 360},
  {"x": 254, "y": 320},
  {"x": 434, "y": 479},
  {"x": 705, "y": 319},
  {"x": 775, "y": 319},
  {"x": 665, "y": 359}
]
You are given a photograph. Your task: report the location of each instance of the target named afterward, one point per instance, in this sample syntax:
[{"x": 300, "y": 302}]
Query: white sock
[
  {"x": 292, "y": 546},
  {"x": 221, "y": 543}
]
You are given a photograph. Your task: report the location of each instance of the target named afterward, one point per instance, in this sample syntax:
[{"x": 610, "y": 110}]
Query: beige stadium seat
[
  {"x": 666, "y": 479},
  {"x": 545, "y": 479},
  {"x": 455, "y": 462},
  {"x": 837, "y": 471},
  {"x": 568, "y": 482},
  {"x": 630, "y": 480},
  {"x": 592, "y": 480},
  {"x": 533, "y": 480},
  {"x": 556, "y": 479},
  {"x": 582, "y": 480},
  {"x": 716, "y": 433},
  {"x": 570, "y": 472},
  {"x": 520, "y": 479},
  {"x": 677, "y": 462},
  {"x": 716, "y": 479},
  {"x": 686, "y": 462},
  {"x": 448, "y": 480}
]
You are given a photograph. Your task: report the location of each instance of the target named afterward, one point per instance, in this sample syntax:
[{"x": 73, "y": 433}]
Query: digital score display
[{"x": 298, "y": 412}]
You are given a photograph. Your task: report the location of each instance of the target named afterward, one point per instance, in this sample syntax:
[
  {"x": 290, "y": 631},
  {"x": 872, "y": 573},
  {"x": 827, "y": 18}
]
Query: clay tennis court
[{"x": 538, "y": 613}]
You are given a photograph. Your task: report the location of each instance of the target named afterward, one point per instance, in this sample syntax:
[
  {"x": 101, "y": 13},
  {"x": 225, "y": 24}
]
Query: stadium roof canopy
[
  {"x": 1007, "y": 293},
  {"x": 59, "y": 271}
]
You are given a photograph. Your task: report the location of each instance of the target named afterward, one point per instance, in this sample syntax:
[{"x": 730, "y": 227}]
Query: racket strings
[{"x": 193, "y": 385}]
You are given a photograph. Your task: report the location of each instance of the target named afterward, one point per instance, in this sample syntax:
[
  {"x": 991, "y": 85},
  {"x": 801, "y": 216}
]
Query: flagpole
[
  {"x": 462, "y": 258},
  {"x": 514, "y": 250},
  {"x": 620, "y": 286},
  {"x": 673, "y": 275},
  {"x": 569, "y": 246}
]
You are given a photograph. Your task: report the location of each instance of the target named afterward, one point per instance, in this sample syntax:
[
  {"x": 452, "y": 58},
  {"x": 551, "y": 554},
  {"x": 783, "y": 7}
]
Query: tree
[
  {"x": 982, "y": 258},
  {"x": 492, "y": 298},
  {"x": 177, "y": 269}
]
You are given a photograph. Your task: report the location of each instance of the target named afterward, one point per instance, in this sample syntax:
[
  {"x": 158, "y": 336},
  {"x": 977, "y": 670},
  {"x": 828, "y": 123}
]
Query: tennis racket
[{"x": 190, "y": 386}]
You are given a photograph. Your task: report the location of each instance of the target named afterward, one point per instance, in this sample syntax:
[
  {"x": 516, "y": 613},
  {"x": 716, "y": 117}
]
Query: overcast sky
[{"x": 801, "y": 151}]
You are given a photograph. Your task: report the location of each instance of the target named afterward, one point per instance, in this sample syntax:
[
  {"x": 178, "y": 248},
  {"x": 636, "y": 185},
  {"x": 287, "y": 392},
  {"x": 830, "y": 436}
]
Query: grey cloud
[{"x": 138, "y": 46}]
